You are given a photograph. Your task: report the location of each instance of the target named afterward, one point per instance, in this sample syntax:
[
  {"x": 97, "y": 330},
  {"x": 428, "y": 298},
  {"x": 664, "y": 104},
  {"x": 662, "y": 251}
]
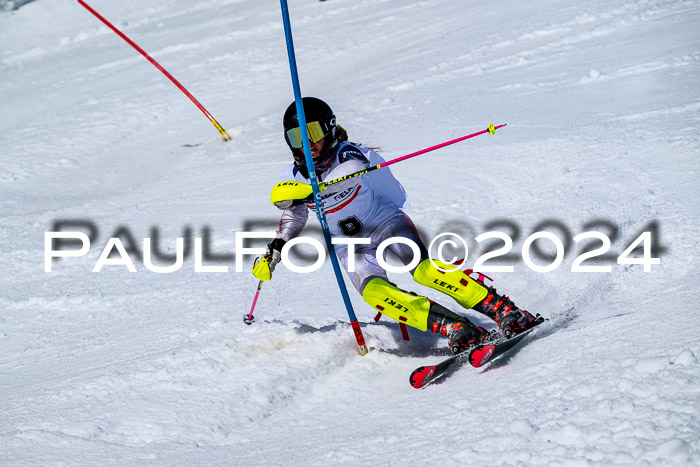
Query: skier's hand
[{"x": 264, "y": 265}]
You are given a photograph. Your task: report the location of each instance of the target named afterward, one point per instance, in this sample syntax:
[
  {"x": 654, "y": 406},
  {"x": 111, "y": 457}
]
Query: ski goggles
[{"x": 314, "y": 129}]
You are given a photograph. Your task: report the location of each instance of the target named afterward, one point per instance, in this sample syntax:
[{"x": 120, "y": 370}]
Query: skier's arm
[
  {"x": 289, "y": 194},
  {"x": 291, "y": 223}
]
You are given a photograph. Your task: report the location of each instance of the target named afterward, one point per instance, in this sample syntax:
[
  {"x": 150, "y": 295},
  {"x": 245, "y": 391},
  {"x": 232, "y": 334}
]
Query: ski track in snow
[{"x": 601, "y": 101}]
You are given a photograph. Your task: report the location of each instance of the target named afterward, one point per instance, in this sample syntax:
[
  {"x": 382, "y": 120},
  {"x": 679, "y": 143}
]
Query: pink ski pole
[
  {"x": 491, "y": 129},
  {"x": 248, "y": 319}
]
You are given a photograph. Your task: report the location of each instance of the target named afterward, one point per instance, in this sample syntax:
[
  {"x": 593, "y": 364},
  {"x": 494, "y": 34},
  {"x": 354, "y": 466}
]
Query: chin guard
[{"x": 287, "y": 194}]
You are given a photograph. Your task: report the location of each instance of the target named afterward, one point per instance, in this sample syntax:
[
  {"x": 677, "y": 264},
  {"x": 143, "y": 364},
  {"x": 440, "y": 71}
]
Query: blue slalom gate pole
[{"x": 314, "y": 180}]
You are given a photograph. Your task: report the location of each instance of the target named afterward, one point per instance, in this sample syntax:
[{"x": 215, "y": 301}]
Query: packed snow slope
[{"x": 602, "y": 104}]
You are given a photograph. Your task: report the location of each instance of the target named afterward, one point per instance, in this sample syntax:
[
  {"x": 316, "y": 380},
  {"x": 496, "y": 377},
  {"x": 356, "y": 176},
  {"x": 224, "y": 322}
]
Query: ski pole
[
  {"x": 362, "y": 347},
  {"x": 303, "y": 191},
  {"x": 491, "y": 129},
  {"x": 163, "y": 70},
  {"x": 248, "y": 319}
]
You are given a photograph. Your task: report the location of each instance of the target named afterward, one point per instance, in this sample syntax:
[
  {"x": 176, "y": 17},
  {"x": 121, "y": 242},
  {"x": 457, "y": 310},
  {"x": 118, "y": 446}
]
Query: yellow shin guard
[
  {"x": 397, "y": 304},
  {"x": 465, "y": 290}
]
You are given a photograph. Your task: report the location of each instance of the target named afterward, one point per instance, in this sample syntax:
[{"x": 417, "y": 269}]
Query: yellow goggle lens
[{"x": 314, "y": 129}]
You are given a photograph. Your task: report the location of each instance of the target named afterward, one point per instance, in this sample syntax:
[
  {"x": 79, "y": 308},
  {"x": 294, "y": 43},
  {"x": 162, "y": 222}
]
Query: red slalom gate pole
[{"x": 163, "y": 70}]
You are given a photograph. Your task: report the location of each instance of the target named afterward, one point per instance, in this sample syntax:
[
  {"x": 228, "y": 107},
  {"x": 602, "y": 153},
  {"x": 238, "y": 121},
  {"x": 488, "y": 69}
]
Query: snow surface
[{"x": 601, "y": 100}]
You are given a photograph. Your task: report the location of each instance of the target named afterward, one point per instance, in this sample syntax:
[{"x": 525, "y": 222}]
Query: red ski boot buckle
[{"x": 481, "y": 278}]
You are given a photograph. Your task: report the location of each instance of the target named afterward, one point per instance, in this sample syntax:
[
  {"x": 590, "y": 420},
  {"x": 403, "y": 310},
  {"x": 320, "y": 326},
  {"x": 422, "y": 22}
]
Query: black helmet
[{"x": 320, "y": 123}]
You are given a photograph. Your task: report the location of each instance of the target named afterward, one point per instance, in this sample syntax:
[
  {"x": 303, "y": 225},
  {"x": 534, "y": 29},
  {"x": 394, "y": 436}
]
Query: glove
[
  {"x": 264, "y": 265},
  {"x": 290, "y": 203}
]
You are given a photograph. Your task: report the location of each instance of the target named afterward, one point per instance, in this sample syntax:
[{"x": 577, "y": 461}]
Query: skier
[{"x": 371, "y": 206}]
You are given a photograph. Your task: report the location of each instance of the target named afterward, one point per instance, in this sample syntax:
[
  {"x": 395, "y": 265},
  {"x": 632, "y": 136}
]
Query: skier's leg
[
  {"x": 476, "y": 295},
  {"x": 406, "y": 307},
  {"x": 402, "y": 226},
  {"x": 422, "y": 313},
  {"x": 458, "y": 285},
  {"x": 366, "y": 266}
]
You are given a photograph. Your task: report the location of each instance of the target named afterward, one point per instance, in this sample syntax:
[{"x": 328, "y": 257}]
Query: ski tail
[
  {"x": 477, "y": 356},
  {"x": 422, "y": 376},
  {"x": 481, "y": 355}
]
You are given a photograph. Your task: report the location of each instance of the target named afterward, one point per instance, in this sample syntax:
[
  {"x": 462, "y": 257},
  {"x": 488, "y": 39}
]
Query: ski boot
[
  {"x": 461, "y": 333},
  {"x": 511, "y": 320}
]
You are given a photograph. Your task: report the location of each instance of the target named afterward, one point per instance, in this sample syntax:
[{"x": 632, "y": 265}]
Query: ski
[
  {"x": 482, "y": 354},
  {"x": 477, "y": 357}
]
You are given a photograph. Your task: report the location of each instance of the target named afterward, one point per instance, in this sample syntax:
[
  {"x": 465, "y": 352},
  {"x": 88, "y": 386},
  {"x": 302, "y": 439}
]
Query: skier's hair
[{"x": 342, "y": 135}]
